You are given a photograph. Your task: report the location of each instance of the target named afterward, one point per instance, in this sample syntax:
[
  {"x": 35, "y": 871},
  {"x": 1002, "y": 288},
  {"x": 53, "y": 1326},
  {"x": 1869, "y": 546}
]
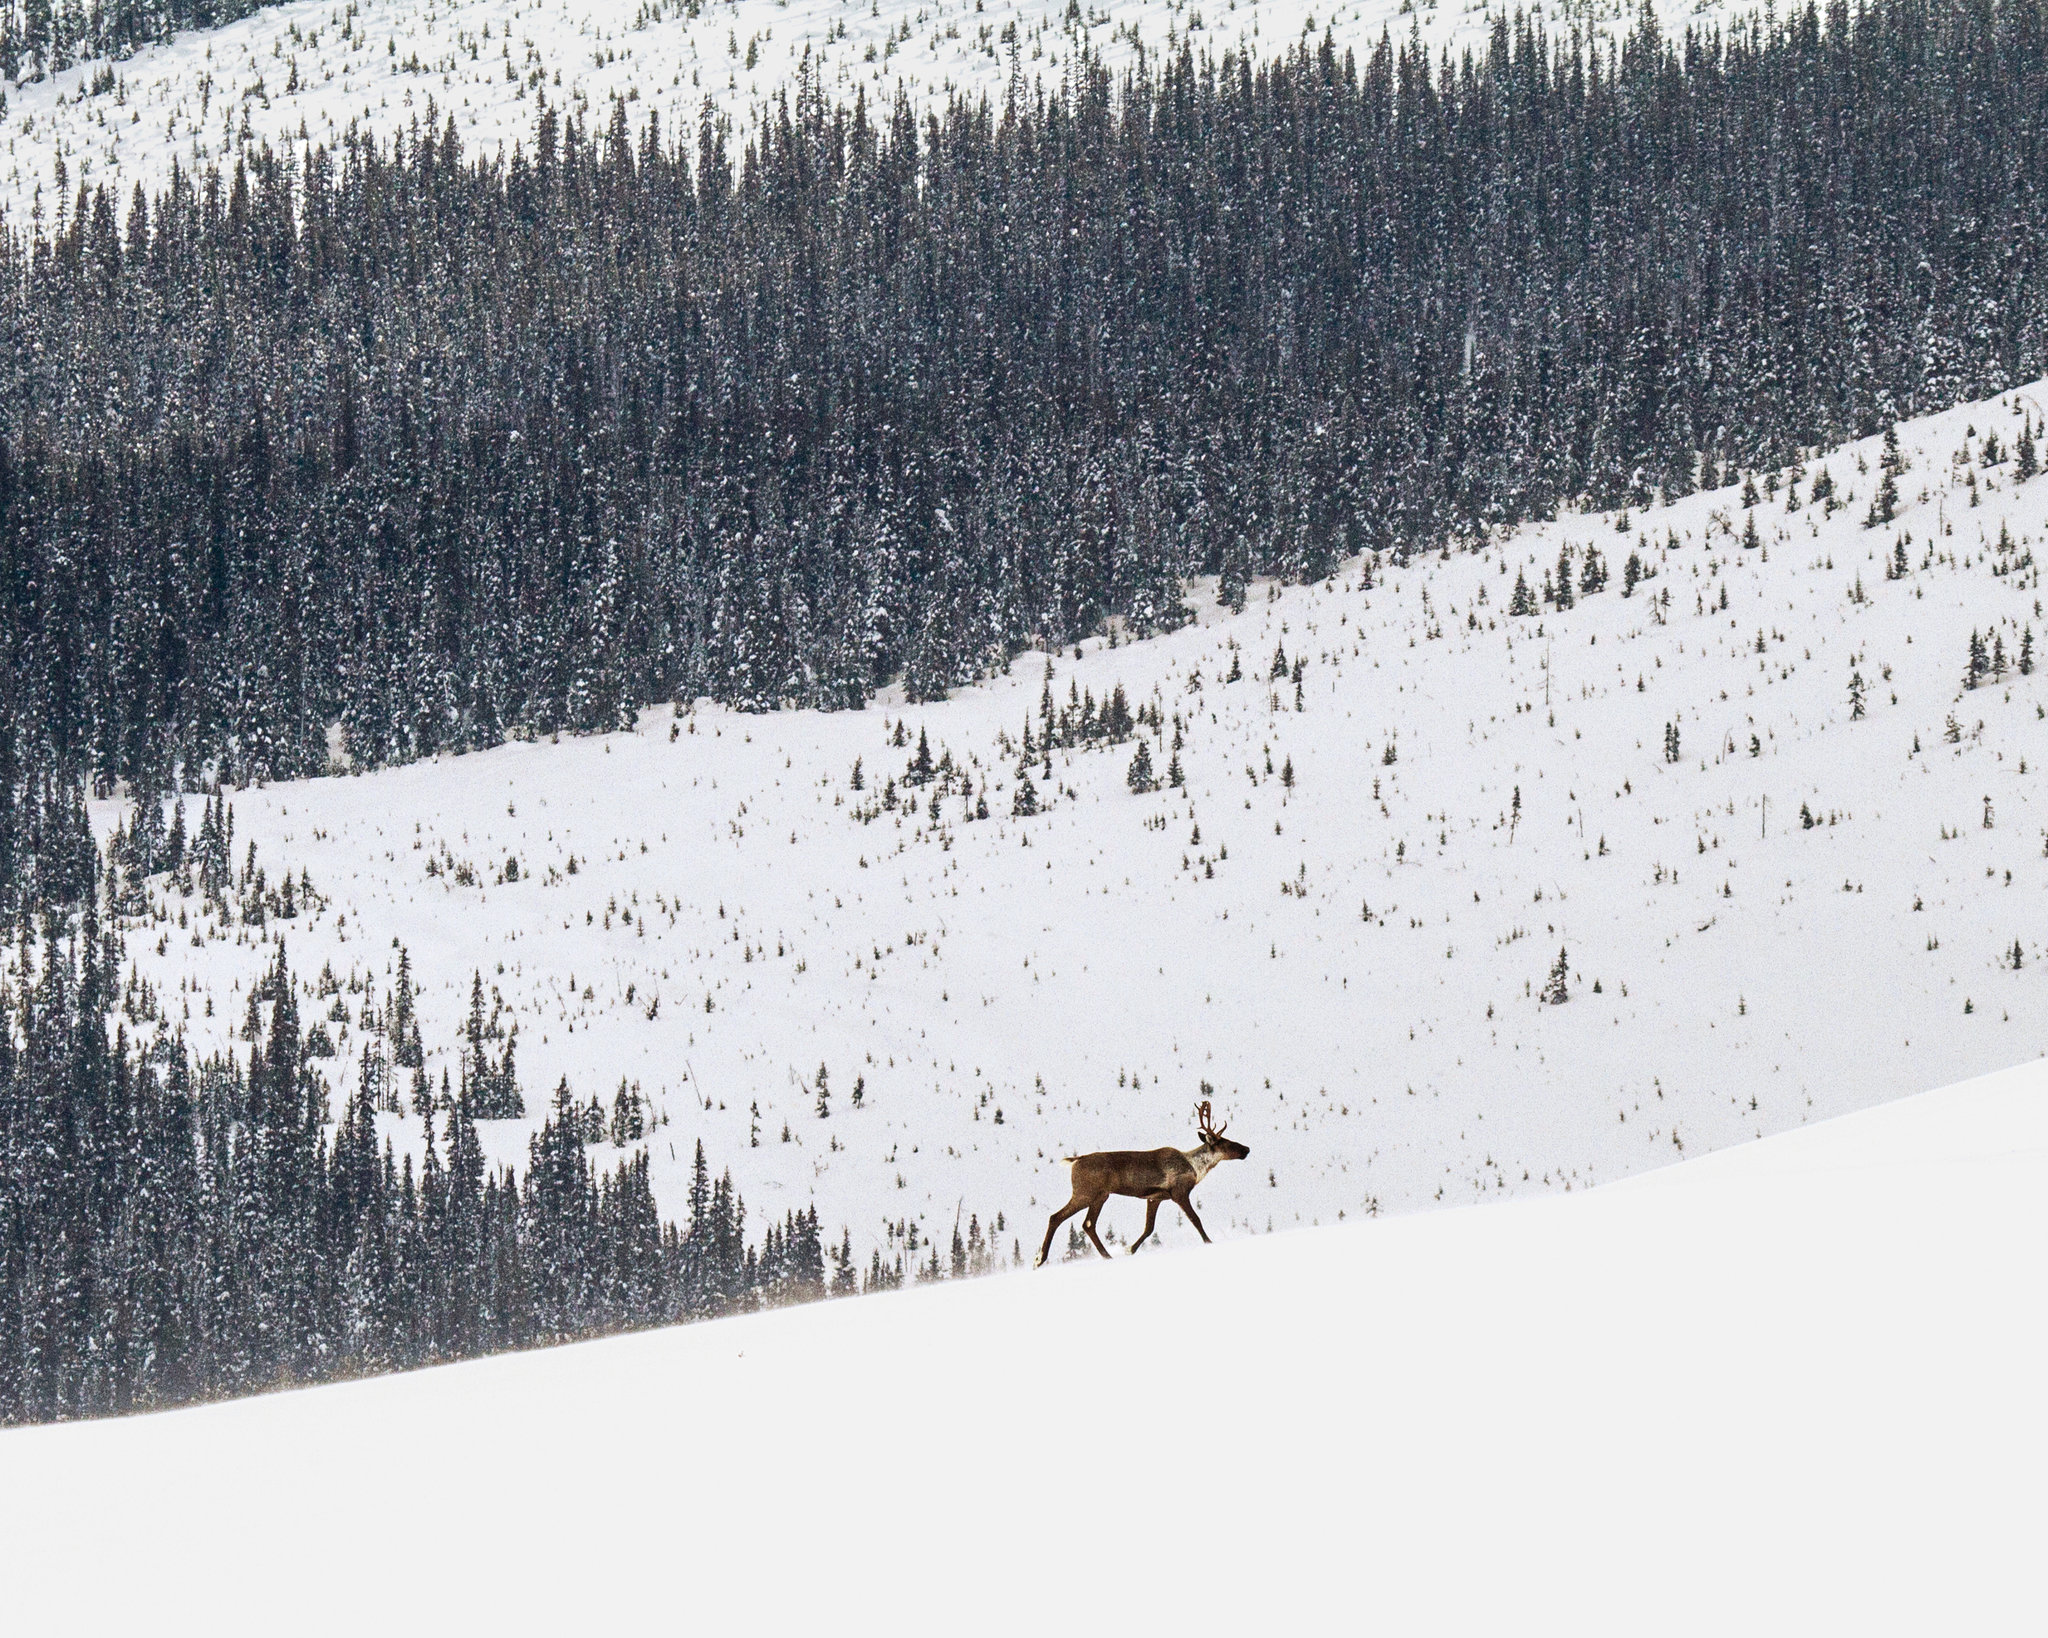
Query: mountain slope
[
  {"x": 708, "y": 910},
  {"x": 1788, "y": 1388}
]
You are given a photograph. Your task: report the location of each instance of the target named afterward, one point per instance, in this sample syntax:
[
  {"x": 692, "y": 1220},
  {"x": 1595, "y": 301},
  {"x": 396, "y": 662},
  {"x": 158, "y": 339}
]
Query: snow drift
[{"x": 1788, "y": 1387}]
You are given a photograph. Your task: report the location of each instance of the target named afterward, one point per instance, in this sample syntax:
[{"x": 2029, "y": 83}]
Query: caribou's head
[{"x": 1213, "y": 1138}]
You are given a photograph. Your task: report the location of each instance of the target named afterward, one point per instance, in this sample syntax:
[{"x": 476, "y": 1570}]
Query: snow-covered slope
[
  {"x": 306, "y": 72},
  {"x": 1354, "y": 963},
  {"x": 1790, "y": 1389}
]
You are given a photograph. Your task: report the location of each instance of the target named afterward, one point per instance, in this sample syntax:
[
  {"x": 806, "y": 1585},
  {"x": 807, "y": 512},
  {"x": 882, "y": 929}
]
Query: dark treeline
[
  {"x": 445, "y": 449},
  {"x": 39, "y": 37},
  {"x": 46, "y": 842},
  {"x": 172, "y": 1231}
]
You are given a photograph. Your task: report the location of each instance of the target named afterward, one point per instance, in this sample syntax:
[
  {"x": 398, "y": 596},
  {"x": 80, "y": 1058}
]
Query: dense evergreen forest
[
  {"x": 173, "y": 1231},
  {"x": 39, "y": 37},
  {"x": 446, "y": 449}
]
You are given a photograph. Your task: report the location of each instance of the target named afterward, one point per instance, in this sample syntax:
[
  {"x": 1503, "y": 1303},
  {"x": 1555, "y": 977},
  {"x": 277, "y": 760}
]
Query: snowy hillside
[
  {"x": 1345, "y": 921},
  {"x": 1794, "y": 1388},
  {"x": 308, "y": 72}
]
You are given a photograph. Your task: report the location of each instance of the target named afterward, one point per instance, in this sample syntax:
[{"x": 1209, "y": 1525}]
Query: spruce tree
[{"x": 1139, "y": 778}]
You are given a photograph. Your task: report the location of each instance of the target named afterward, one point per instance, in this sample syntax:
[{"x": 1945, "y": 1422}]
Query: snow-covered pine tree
[{"x": 1140, "y": 778}]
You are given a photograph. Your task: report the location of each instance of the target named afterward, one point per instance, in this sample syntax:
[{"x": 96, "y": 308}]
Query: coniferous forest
[
  {"x": 445, "y": 449},
  {"x": 39, "y": 37},
  {"x": 173, "y": 1231},
  {"x": 385, "y": 450}
]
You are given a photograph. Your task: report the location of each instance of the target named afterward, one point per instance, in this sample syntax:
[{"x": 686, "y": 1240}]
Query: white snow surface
[
  {"x": 299, "y": 74},
  {"x": 1792, "y": 1388},
  {"x": 1079, "y": 974}
]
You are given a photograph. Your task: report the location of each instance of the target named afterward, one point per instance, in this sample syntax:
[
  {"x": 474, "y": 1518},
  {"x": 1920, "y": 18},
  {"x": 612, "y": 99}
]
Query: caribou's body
[{"x": 1150, "y": 1175}]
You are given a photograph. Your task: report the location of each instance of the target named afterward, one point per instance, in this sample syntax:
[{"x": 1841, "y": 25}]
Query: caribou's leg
[
  {"x": 1151, "y": 1211},
  {"x": 1187, "y": 1210},
  {"x": 1088, "y": 1223},
  {"x": 1052, "y": 1225}
]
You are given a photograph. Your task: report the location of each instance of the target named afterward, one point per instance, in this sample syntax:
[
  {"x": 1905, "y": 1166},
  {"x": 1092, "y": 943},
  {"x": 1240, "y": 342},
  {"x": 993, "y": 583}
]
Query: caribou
[{"x": 1150, "y": 1175}]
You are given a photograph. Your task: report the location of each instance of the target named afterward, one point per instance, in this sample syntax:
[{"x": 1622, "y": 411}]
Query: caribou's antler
[{"x": 1202, "y": 1121}]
